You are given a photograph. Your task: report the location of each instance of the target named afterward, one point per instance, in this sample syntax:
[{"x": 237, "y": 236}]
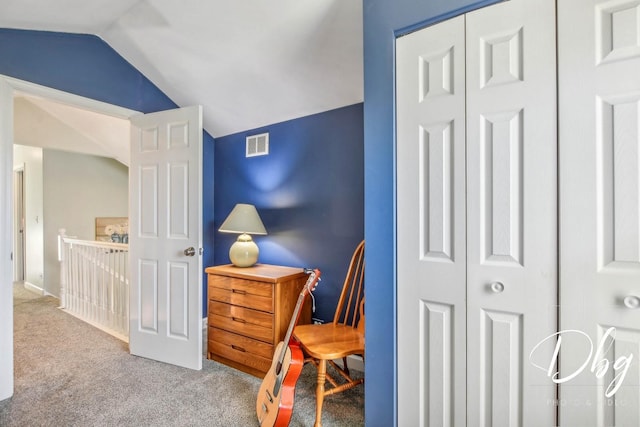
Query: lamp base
[{"x": 244, "y": 252}]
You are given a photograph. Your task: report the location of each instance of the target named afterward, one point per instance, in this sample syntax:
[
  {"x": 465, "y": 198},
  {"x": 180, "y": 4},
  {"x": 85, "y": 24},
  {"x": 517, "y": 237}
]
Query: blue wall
[
  {"x": 85, "y": 65},
  {"x": 383, "y": 20},
  {"x": 309, "y": 192},
  {"x": 79, "y": 64}
]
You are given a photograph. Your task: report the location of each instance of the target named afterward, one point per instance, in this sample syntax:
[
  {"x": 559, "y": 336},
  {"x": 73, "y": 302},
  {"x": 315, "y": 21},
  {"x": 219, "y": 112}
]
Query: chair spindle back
[{"x": 350, "y": 308}]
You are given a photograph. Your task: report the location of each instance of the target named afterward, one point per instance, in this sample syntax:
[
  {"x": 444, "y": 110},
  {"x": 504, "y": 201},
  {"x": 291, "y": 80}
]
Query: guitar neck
[
  {"x": 294, "y": 317},
  {"x": 313, "y": 278}
]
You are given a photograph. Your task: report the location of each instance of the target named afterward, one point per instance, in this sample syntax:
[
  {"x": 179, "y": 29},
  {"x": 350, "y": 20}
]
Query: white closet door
[
  {"x": 431, "y": 226},
  {"x": 511, "y": 212},
  {"x": 599, "y": 80}
]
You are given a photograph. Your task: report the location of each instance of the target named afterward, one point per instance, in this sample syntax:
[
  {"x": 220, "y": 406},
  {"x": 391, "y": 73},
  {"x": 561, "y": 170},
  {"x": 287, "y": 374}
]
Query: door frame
[
  {"x": 9, "y": 87},
  {"x": 19, "y": 241}
]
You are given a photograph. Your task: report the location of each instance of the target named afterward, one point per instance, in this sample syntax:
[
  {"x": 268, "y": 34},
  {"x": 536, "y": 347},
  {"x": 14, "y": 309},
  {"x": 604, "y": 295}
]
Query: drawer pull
[
  {"x": 239, "y": 291},
  {"x": 235, "y": 347},
  {"x": 237, "y": 319}
]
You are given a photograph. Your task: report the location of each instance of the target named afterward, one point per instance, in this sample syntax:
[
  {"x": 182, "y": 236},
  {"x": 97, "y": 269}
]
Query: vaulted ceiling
[{"x": 250, "y": 63}]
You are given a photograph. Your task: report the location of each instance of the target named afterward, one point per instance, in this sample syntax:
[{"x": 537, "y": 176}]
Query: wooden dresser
[{"x": 249, "y": 313}]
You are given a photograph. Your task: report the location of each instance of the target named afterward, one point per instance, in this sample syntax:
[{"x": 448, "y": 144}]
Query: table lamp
[{"x": 244, "y": 220}]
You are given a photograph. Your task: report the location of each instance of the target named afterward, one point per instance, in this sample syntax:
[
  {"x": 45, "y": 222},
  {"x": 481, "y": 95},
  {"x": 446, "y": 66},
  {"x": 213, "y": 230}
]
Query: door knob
[
  {"x": 631, "y": 301},
  {"x": 190, "y": 251},
  {"x": 497, "y": 287}
]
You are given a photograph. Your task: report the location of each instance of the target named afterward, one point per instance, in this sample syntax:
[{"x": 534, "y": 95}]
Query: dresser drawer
[
  {"x": 240, "y": 349},
  {"x": 240, "y": 343},
  {"x": 244, "y": 321},
  {"x": 258, "y": 296}
]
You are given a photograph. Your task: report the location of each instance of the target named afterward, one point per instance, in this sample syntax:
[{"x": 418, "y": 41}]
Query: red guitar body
[{"x": 274, "y": 405}]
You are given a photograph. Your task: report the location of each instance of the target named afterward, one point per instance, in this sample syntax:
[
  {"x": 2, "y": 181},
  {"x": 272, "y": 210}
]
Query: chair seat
[{"x": 329, "y": 341}]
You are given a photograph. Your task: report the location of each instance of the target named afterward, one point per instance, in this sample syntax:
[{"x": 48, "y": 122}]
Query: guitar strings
[{"x": 313, "y": 303}]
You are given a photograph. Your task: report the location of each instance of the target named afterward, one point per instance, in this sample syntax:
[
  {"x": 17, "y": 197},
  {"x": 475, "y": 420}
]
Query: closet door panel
[
  {"x": 431, "y": 226},
  {"x": 599, "y": 99},
  {"x": 511, "y": 212}
]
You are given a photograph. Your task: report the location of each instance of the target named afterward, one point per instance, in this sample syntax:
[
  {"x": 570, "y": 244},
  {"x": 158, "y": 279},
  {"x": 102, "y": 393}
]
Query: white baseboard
[
  {"x": 356, "y": 363},
  {"x": 33, "y": 288},
  {"x": 109, "y": 331}
]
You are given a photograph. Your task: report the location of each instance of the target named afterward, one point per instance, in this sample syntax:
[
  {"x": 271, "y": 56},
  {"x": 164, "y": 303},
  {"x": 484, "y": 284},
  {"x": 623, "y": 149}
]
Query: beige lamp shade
[{"x": 243, "y": 219}]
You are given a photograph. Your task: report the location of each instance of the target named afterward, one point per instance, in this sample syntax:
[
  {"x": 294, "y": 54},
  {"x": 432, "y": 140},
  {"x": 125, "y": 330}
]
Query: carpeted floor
[{"x": 68, "y": 373}]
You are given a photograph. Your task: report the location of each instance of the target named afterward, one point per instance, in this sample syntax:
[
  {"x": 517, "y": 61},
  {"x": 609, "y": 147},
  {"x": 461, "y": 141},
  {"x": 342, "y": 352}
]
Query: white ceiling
[
  {"x": 40, "y": 122},
  {"x": 250, "y": 63}
]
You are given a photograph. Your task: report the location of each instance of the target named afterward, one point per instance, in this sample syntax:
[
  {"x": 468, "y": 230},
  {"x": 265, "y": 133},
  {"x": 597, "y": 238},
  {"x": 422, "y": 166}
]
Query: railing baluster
[
  {"x": 108, "y": 301},
  {"x": 114, "y": 290},
  {"x": 94, "y": 282}
]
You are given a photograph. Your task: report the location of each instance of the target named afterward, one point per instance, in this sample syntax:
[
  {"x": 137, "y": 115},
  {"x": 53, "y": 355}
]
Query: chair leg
[
  {"x": 344, "y": 364},
  {"x": 322, "y": 373}
]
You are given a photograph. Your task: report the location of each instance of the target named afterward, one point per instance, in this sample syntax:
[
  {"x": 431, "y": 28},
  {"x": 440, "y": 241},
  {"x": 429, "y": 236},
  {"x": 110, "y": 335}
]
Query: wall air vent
[{"x": 258, "y": 145}]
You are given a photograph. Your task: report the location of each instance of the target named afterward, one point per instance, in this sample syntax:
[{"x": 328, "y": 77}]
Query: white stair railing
[{"x": 94, "y": 283}]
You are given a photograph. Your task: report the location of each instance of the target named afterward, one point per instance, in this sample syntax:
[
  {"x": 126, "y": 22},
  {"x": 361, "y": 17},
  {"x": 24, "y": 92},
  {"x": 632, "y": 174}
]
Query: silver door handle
[
  {"x": 631, "y": 301},
  {"x": 497, "y": 287},
  {"x": 190, "y": 251}
]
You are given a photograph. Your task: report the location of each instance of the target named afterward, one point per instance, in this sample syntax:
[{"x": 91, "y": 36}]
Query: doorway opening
[
  {"x": 185, "y": 122},
  {"x": 11, "y": 90}
]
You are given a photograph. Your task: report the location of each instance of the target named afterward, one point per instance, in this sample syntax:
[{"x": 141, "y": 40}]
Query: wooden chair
[{"x": 340, "y": 338}]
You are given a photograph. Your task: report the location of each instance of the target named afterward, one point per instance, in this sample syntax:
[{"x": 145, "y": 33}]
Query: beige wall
[{"x": 77, "y": 189}]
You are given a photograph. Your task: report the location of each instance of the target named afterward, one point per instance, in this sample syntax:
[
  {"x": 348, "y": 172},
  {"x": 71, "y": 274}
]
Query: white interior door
[
  {"x": 599, "y": 80},
  {"x": 511, "y": 212},
  {"x": 165, "y": 208},
  {"x": 431, "y": 291}
]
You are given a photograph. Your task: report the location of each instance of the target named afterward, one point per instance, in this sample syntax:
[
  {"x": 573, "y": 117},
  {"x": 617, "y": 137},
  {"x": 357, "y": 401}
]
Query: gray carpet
[{"x": 68, "y": 373}]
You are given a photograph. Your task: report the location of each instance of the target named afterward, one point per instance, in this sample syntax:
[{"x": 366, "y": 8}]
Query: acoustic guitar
[{"x": 275, "y": 398}]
